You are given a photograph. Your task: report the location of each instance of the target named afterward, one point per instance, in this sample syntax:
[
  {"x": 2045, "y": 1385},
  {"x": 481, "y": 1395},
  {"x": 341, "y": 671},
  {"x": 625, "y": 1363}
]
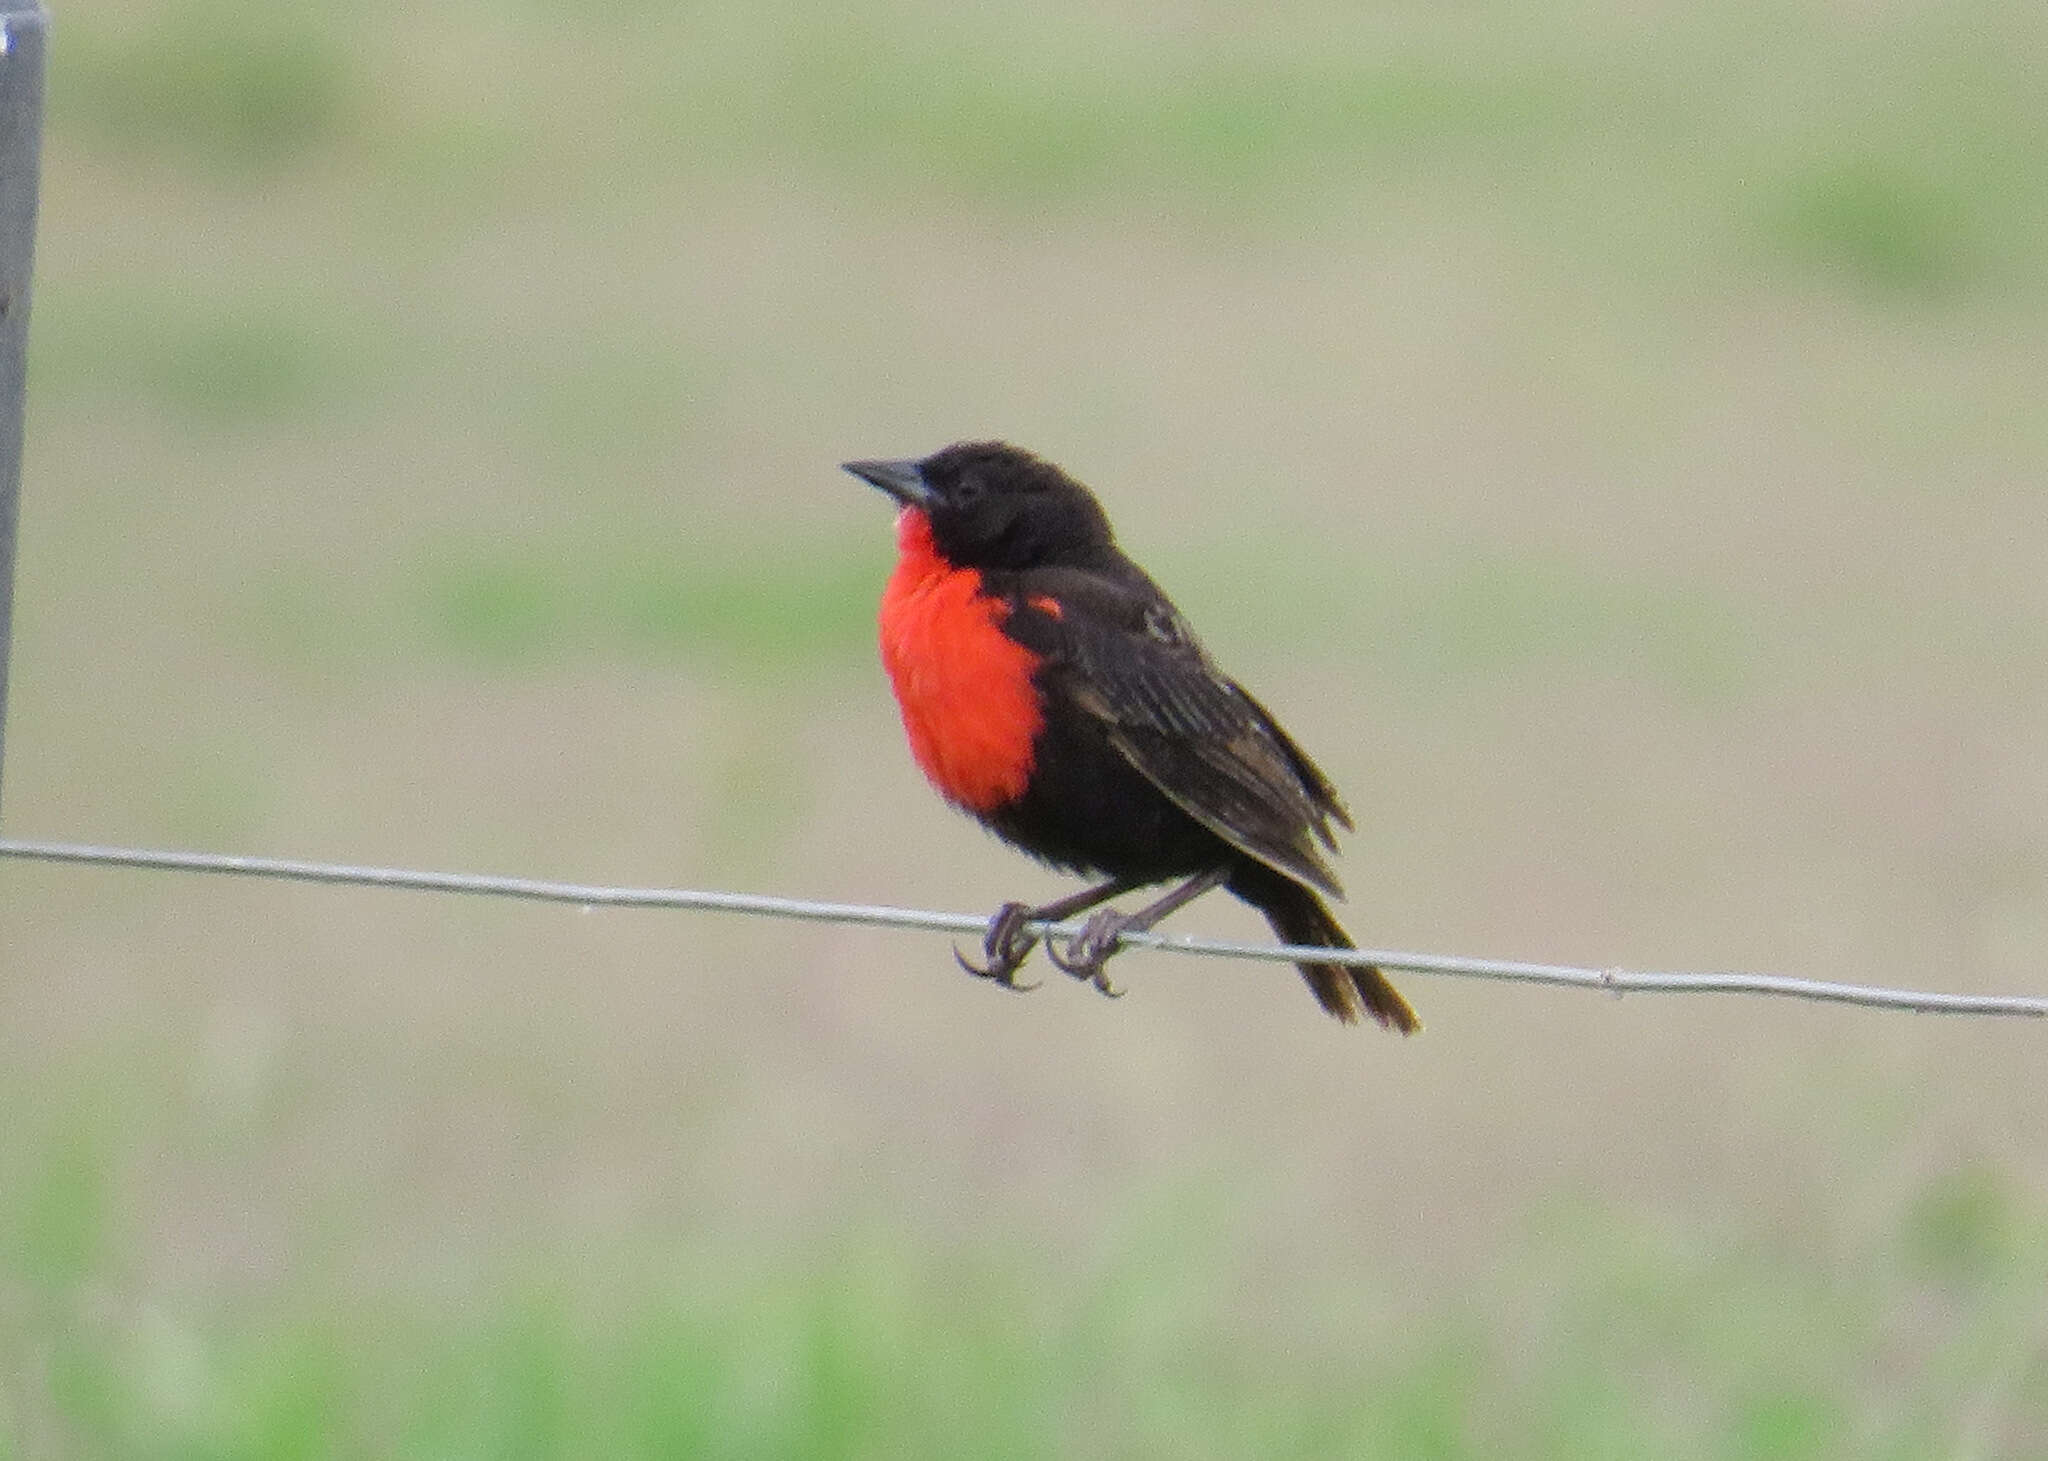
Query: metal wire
[{"x": 594, "y": 895}]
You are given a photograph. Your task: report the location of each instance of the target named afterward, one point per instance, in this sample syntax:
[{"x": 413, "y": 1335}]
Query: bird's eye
[{"x": 966, "y": 490}]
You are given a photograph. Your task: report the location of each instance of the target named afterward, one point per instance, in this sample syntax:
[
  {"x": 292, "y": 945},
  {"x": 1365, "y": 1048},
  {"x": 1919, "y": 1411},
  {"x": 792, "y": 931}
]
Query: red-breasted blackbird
[{"x": 1051, "y": 690}]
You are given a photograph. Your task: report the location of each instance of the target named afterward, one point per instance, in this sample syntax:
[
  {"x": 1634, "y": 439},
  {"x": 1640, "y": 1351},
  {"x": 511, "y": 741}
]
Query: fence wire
[{"x": 764, "y": 905}]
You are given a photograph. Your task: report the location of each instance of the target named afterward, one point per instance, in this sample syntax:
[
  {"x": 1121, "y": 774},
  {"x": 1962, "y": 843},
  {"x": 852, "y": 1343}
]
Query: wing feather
[{"x": 1131, "y": 662}]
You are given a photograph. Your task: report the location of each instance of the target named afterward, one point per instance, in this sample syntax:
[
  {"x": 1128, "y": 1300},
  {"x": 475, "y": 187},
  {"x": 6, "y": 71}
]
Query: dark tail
[{"x": 1299, "y": 917}]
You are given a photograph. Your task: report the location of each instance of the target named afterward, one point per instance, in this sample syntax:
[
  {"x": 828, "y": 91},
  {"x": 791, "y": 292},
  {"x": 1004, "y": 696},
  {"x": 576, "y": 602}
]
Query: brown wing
[{"x": 1126, "y": 657}]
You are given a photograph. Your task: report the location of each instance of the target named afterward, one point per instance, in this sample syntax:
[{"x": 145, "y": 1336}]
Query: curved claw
[
  {"x": 1008, "y": 944},
  {"x": 996, "y": 969},
  {"x": 1091, "y": 948}
]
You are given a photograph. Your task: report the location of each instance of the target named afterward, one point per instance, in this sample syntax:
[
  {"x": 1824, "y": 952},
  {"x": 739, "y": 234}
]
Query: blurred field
[{"x": 1612, "y": 437}]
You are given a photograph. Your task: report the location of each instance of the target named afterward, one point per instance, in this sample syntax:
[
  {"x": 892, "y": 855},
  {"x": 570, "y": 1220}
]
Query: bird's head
[{"x": 991, "y": 505}]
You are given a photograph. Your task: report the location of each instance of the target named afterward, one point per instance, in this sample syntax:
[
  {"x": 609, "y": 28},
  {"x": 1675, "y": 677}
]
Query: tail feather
[{"x": 1298, "y": 916}]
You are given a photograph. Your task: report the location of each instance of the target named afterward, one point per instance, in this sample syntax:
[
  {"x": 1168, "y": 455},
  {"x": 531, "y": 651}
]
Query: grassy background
[{"x": 1610, "y": 435}]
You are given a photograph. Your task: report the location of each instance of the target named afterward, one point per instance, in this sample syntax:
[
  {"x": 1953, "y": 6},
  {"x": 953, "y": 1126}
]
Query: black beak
[{"x": 901, "y": 480}]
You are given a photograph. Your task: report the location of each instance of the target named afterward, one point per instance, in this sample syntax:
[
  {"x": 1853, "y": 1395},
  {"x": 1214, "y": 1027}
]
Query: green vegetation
[
  {"x": 1885, "y": 227},
  {"x": 1902, "y": 154},
  {"x": 307, "y": 159},
  {"x": 229, "y": 86},
  {"x": 761, "y": 612},
  {"x": 1603, "y": 1336},
  {"x": 228, "y": 357}
]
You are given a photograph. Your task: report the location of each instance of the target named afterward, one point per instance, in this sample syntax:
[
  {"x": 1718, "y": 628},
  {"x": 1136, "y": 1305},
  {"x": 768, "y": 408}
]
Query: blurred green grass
[
  {"x": 1901, "y": 156},
  {"x": 230, "y": 357},
  {"x": 1899, "y": 164},
  {"x": 761, "y": 614},
  {"x": 227, "y": 86},
  {"x": 1603, "y": 1334},
  {"x": 747, "y": 611}
]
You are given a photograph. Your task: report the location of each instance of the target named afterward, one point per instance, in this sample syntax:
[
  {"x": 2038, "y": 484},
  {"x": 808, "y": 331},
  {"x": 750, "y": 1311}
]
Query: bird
[{"x": 1050, "y": 689}]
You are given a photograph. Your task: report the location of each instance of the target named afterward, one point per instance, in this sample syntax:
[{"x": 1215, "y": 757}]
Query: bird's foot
[
  {"x": 1090, "y": 949},
  {"x": 1007, "y": 944}
]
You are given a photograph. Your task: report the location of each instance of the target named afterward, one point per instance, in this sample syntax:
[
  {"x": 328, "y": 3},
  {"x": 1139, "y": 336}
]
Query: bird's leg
[
  {"x": 1010, "y": 940},
  {"x": 1088, "y": 950}
]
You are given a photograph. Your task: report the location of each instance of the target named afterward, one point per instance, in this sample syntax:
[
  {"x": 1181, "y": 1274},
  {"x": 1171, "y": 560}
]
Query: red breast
[{"x": 964, "y": 686}]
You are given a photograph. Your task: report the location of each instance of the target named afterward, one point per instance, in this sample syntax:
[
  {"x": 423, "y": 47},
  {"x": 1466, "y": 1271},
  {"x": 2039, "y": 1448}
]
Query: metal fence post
[{"x": 22, "y": 29}]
